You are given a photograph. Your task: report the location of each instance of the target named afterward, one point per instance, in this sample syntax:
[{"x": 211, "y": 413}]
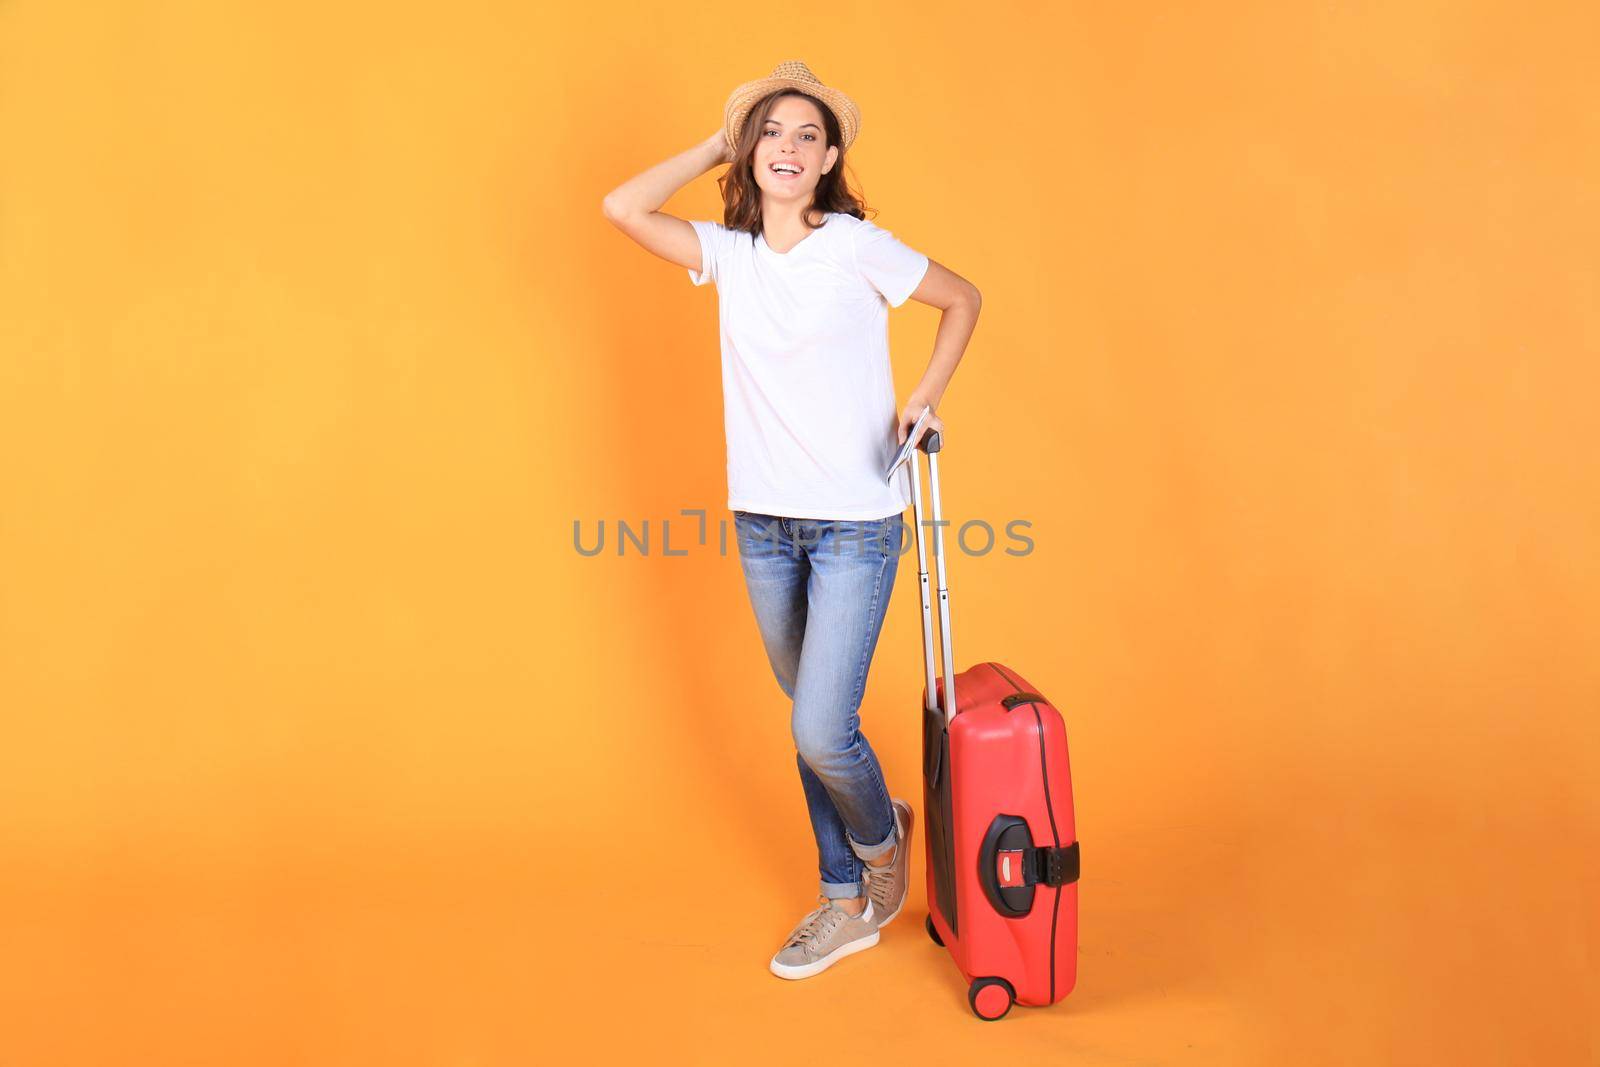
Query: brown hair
[{"x": 741, "y": 196}]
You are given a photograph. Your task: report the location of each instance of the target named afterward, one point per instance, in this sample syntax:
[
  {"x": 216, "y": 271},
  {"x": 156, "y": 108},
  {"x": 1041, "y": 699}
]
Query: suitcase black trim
[
  {"x": 937, "y": 802},
  {"x": 1049, "y": 806},
  {"x": 1033, "y": 700}
]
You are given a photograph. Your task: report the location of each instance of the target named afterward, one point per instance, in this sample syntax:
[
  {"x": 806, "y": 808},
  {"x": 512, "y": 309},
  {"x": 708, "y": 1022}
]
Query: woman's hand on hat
[
  {"x": 719, "y": 141},
  {"x": 908, "y": 418}
]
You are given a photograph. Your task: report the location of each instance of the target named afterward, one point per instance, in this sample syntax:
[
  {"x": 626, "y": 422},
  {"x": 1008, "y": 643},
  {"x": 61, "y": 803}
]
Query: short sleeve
[
  {"x": 715, "y": 240},
  {"x": 888, "y": 265}
]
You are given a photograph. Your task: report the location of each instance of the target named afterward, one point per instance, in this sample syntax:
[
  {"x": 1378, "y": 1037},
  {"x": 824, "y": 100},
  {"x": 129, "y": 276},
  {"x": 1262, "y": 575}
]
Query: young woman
[{"x": 804, "y": 284}]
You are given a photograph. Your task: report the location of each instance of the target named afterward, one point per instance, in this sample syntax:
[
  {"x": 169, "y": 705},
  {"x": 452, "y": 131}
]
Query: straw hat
[{"x": 790, "y": 74}]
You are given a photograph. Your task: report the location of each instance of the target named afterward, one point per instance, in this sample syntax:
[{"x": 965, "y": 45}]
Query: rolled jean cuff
[
  {"x": 836, "y": 890},
  {"x": 872, "y": 852}
]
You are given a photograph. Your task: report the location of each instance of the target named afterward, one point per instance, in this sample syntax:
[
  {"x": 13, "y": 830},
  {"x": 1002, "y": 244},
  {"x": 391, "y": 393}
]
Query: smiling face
[{"x": 792, "y": 152}]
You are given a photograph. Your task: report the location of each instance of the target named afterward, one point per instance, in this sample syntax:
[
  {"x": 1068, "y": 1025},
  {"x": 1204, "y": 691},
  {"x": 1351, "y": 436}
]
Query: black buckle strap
[{"x": 1050, "y": 866}]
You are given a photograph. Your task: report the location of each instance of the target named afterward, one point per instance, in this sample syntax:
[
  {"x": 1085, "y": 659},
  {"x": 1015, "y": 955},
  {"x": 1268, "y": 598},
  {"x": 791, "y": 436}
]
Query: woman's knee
[{"x": 821, "y": 743}]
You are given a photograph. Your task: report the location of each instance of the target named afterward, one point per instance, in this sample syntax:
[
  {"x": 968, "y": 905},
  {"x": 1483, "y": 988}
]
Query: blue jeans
[{"x": 820, "y": 588}]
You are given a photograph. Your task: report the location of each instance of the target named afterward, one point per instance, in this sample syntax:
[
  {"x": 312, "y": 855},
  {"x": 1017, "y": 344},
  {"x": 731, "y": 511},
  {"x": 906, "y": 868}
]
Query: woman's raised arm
[{"x": 634, "y": 207}]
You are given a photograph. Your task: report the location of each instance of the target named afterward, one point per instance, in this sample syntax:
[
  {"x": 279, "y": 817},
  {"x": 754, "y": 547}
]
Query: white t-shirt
[{"x": 808, "y": 396}]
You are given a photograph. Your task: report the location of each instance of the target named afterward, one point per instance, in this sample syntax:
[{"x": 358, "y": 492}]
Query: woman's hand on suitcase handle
[{"x": 908, "y": 419}]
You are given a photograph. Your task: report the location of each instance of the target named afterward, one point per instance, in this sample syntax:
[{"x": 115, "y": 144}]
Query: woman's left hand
[{"x": 908, "y": 419}]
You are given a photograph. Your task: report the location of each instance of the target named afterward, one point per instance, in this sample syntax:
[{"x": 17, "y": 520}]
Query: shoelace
[
  {"x": 880, "y": 883},
  {"x": 816, "y": 927}
]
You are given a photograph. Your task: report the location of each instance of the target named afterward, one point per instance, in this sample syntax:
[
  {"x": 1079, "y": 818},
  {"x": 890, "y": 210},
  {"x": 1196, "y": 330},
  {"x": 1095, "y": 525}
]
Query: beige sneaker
[
  {"x": 886, "y": 885},
  {"x": 824, "y": 937}
]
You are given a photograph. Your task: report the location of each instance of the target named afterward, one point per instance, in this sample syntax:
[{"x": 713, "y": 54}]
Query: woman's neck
[{"x": 785, "y": 226}]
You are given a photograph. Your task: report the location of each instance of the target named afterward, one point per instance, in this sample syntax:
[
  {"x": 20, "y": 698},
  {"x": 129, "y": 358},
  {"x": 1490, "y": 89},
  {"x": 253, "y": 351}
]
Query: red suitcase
[{"x": 1002, "y": 851}]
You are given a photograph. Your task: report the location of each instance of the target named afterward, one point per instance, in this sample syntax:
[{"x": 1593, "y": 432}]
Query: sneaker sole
[
  {"x": 911, "y": 818},
  {"x": 806, "y": 970}
]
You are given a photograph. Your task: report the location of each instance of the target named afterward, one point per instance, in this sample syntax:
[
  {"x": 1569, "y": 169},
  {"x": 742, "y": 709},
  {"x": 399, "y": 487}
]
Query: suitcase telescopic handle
[{"x": 931, "y": 444}]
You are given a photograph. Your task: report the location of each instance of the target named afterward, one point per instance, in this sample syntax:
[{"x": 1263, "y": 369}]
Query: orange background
[{"x": 323, "y": 745}]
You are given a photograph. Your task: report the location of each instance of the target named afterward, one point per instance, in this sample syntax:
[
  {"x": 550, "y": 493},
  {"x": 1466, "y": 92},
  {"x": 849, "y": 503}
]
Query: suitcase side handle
[
  {"x": 1010, "y": 865},
  {"x": 932, "y": 444}
]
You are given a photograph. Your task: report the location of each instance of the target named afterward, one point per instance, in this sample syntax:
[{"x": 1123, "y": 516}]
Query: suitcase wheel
[
  {"x": 933, "y": 931},
  {"x": 991, "y": 998}
]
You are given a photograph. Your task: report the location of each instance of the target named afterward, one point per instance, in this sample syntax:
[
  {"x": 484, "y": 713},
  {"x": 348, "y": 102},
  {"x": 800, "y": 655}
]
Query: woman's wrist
[{"x": 716, "y": 148}]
